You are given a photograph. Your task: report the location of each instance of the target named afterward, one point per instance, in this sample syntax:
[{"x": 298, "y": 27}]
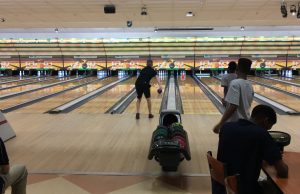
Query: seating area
[{"x": 218, "y": 173}]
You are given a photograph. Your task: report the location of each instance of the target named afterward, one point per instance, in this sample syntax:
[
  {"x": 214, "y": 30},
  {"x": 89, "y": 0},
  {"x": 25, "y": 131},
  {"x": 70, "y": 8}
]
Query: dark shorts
[{"x": 142, "y": 89}]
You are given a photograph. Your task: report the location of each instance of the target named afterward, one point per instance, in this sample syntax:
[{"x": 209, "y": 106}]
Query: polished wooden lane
[
  {"x": 103, "y": 102},
  {"x": 111, "y": 143},
  {"x": 48, "y": 104},
  {"x": 215, "y": 85},
  {"x": 25, "y": 81},
  {"x": 155, "y": 99},
  {"x": 296, "y": 81},
  {"x": 285, "y": 99},
  {"x": 39, "y": 93},
  {"x": 32, "y": 86},
  {"x": 11, "y": 78},
  {"x": 194, "y": 100},
  {"x": 277, "y": 84}
]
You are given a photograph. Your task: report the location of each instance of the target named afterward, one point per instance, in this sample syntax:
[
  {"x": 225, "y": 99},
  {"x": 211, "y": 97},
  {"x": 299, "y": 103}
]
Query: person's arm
[
  {"x": 5, "y": 169},
  {"x": 227, "y": 114},
  {"x": 158, "y": 81},
  {"x": 224, "y": 84},
  {"x": 225, "y": 90},
  {"x": 281, "y": 168}
]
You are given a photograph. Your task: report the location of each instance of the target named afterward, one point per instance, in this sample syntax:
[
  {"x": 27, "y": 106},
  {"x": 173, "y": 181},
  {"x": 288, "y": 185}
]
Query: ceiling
[{"x": 22, "y": 16}]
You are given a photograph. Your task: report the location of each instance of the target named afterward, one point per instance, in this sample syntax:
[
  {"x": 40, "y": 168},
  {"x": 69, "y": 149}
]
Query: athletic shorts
[{"x": 142, "y": 89}]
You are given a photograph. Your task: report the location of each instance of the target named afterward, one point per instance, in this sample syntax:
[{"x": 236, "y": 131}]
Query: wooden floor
[
  {"x": 280, "y": 85},
  {"x": 43, "y": 92},
  {"x": 69, "y": 143},
  {"x": 297, "y": 80},
  {"x": 289, "y": 101},
  {"x": 31, "y": 86},
  {"x": 88, "y": 142},
  {"x": 194, "y": 100},
  {"x": 23, "y": 81},
  {"x": 112, "y": 184},
  {"x": 103, "y": 102},
  {"x": 65, "y": 97}
]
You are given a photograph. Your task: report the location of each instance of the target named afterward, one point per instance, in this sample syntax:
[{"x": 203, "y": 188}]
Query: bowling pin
[
  {"x": 39, "y": 74},
  {"x": 20, "y": 73}
]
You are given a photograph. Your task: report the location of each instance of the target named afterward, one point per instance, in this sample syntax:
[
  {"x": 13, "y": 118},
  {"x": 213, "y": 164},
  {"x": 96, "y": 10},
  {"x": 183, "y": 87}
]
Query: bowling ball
[
  {"x": 171, "y": 65},
  {"x": 159, "y": 91},
  {"x": 84, "y": 66},
  {"x": 262, "y": 65}
]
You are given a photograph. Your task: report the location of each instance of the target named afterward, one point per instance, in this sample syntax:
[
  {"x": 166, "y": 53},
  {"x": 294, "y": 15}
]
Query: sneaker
[
  {"x": 151, "y": 116},
  {"x": 137, "y": 116}
]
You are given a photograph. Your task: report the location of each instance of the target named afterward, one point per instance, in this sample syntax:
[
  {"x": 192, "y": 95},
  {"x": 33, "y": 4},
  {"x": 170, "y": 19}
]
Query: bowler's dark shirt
[
  {"x": 145, "y": 76},
  {"x": 243, "y": 146},
  {"x": 3, "y": 155}
]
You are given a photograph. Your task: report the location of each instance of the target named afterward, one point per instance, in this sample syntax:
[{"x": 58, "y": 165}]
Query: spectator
[
  {"x": 15, "y": 176},
  {"x": 227, "y": 78},
  {"x": 244, "y": 145},
  {"x": 239, "y": 96}
]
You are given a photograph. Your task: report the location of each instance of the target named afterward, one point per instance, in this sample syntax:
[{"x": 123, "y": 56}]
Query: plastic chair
[
  {"x": 217, "y": 169},
  {"x": 231, "y": 184}
]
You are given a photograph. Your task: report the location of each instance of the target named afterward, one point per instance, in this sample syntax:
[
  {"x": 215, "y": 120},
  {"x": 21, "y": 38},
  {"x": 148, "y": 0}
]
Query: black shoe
[
  {"x": 137, "y": 116},
  {"x": 151, "y": 116}
]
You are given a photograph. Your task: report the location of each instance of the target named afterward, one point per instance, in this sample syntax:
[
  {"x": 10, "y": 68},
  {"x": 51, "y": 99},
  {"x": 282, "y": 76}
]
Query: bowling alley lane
[
  {"x": 25, "y": 81},
  {"x": 39, "y": 93},
  {"x": 289, "y": 101},
  {"x": 296, "y": 81},
  {"x": 277, "y": 84},
  {"x": 103, "y": 102},
  {"x": 48, "y": 104},
  {"x": 15, "y": 78},
  {"x": 194, "y": 100},
  {"x": 33, "y": 86},
  {"x": 11, "y": 78},
  {"x": 155, "y": 99},
  {"x": 215, "y": 85}
]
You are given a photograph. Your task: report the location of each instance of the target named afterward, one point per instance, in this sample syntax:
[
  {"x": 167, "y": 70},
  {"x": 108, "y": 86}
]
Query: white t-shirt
[
  {"x": 240, "y": 93},
  {"x": 227, "y": 78}
]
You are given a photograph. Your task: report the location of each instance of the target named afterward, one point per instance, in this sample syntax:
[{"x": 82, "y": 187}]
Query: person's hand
[
  {"x": 216, "y": 129},
  {"x": 223, "y": 102}
]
